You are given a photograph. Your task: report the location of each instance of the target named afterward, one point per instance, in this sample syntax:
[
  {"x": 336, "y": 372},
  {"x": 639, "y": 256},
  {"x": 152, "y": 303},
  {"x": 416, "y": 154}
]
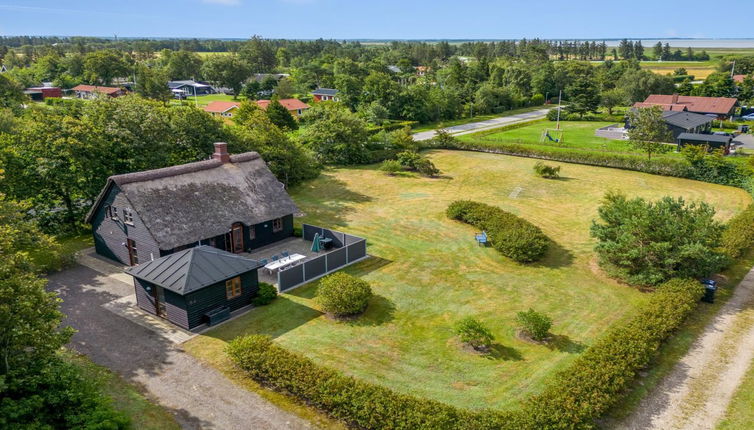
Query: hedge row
[
  {"x": 355, "y": 402},
  {"x": 738, "y": 236},
  {"x": 578, "y": 395},
  {"x": 598, "y": 378},
  {"x": 510, "y": 235}
]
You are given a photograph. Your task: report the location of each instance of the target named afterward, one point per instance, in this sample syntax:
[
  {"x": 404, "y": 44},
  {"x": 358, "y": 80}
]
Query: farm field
[{"x": 427, "y": 273}]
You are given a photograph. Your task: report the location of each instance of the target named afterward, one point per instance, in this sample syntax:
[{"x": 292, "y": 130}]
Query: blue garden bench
[{"x": 481, "y": 238}]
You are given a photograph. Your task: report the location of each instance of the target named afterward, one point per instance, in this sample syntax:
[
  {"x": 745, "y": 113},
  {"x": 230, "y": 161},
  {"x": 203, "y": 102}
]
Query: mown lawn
[
  {"x": 143, "y": 412},
  {"x": 740, "y": 414},
  {"x": 201, "y": 101},
  {"x": 575, "y": 135},
  {"x": 427, "y": 273}
]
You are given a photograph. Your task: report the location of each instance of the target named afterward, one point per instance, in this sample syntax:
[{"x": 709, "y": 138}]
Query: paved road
[
  {"x": 473, "y": 127},
  {"x": 200, "y": 397},
  {"x": 745, "y": 141},
  {"x": 696, "y": 393}
]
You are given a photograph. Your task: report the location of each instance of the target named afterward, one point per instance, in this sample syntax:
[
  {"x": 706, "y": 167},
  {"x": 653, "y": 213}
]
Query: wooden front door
[
  {"x": 236, "y": 234},
  {"x": 133, "y": 253},
  {"x": 159, "y": 302}
]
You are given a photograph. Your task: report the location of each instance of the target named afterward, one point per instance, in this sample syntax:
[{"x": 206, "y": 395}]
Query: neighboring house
[
  {"x": 187, "y": 88},
  {"x": 739, "y": 79},
  {"x": 687, "y": 122},
  {"x": 92, "y": 91},
  {"x": 394, "y": 69},
  {"x": 230, "y": 202},
  {"x": 325, "y": 94},
  {"x": 421, "y": 70},
  {"x": 720, "y": 107},
  {"x": 3, "y": 69},
  {"x": 38, "y": 94},
  {"x": 221, "y": 108},
  {"x": 711, "y": 141},
  {"x": 259, "y": 77},
  {"x": 195, "y": 286},
  {"x": 295, "y": 106}
]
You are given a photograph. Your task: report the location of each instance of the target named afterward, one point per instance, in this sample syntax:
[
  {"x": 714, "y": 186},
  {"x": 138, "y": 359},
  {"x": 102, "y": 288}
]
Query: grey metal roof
[
  {"x": 184, "y": 204},
  {"x": 325, "y": 92},
  {"x": 686, "y": 120},
  {"x": 193, "y": 269},
  {"x": 189, "y": 83},
  {"x": 698, "y": 137}
]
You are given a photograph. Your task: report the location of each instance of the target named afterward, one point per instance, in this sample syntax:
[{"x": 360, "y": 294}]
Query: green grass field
[
  {"x": 740, "y": 414},
  {"x": 202, "y": 101},
  {"x": 427, "y": 273}
]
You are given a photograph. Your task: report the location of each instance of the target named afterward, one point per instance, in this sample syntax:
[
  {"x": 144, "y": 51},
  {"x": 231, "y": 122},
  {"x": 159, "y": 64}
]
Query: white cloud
[{"x": 224, "y": 2}]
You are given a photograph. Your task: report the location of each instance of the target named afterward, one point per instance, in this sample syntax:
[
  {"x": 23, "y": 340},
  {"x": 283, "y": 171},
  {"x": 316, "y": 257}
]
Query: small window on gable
[
  {"x": 128, "y": 216},
  {"x": 277, "y": 225},
  {"x": 233, "y": 288},
  {"x": 112, "y": 212}
]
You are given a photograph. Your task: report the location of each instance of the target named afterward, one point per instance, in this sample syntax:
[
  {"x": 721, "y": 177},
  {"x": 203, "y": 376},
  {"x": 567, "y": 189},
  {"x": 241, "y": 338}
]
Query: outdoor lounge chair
[
  {"x": 285, "y": 254},
  {"x": 275, "y": 258},
  {"x": 481, "y": 238}
]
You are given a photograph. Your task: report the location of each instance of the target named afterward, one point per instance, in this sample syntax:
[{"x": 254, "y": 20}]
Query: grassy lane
[{"x": 427, "y": 273}]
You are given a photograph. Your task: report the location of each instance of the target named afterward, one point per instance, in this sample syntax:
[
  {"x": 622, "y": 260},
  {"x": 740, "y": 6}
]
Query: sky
[{"x": 370, "y": 19}]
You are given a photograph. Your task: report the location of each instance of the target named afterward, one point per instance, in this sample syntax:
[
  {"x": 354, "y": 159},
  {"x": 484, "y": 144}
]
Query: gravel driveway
[
  {"x": 199, "y": 396},
  {"x": 696, "y": 394}
]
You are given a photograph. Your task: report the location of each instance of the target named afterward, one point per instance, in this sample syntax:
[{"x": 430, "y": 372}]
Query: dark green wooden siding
[{"x": 214, "y": 296}]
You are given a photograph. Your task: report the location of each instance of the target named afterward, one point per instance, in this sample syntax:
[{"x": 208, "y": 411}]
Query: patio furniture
[
  {"x": 285, "y": 254},
  {"x": 326, "y": 242},
  {"x": 275, "y": 258},
  {"x": 315, "y": 242},
  {"x": 481, "y": 238},
  {"x": 285, "y": 262}
]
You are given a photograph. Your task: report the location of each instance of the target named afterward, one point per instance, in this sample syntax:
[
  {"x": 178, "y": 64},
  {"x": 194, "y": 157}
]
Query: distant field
[{"x": 699, "y": 69}]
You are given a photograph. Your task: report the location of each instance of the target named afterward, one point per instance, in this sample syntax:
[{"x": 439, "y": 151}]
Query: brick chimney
[
  {"x": 221, "y": 152},
  {"x": 675, "y": 98}
]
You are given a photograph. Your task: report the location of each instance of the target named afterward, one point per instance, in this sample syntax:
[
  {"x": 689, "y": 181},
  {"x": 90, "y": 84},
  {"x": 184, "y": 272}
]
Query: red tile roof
[
  {"x": 96, "y": 88},
  {"x": 715, "y": 105},
  {"x": 739, "y": 78},
  {"x": 220, "y": 106},
  {"x": 290, "y": 104}
]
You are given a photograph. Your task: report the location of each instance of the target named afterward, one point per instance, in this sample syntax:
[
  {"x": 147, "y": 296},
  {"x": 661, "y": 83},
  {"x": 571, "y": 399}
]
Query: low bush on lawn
[
  {"x": 267, "y": 293},
  {"x": 738, "y": 236},
  {"x": 391, "y": 167},
  {"x": 546, "y": 171},
  {"x": 577, "y": 397},
  {"x": 473, "y": 333},
  {"x": 413, "y": 161},
  {"x": 341, "y": 294},
  {"x": 534, "y": 324},
  {"x": 510, "y": 235}
]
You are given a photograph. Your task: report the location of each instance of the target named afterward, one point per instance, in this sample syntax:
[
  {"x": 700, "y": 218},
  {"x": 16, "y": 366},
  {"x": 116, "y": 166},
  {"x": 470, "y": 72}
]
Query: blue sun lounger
[{"x": 481, "y": 238}]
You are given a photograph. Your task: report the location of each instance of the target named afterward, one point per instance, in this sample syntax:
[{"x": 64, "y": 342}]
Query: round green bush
[
  {"x": 266, "y": 294},
  {"x": 341, "y": 294},
  {"x": 535, "y": 324},
  {"x": 473, "y": 333},
  {"x": 391, "y": 167}
]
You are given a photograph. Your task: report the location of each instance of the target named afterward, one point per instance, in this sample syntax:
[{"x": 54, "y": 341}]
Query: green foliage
[
  {"x": 266, "y": 294},
  {"x": 101, "y": 67},
  {"x": 648, "y": 131},
  {"x": 579, "y": 394},
  {"x": 546, "y": 171},
  {"x": 227, "y": 71},
  {"x": 473, "y": 333},
  {"x": 280, "y": 116},
  {"x": 335, "y": 134},
  {"x": 391, "y": 167},
  {"x": 341, "y": 294},
  {"x": 738, "y": 236},
  {"x": 11, "y": 94},
  {"x": 152, "y": 83},
  {"x": 411, "y": 160},
  {"x": 536, "y": 325},
  {"x": 647, "y": 243},
  {"x": 510, "y": 235},
  {"x": 583, "y": 96}
]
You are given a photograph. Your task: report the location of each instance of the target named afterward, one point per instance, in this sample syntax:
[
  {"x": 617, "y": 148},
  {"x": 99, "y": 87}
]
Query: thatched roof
[{"x": 183, "y": 204}]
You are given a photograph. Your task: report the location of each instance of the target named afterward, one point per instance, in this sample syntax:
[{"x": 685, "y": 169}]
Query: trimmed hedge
[
  {"x": 598, "y": 378},
  {"x": 738, "y": 236},
  {"x": 358, "y": 403},
  {"x": 510, "y": 235},
  {"x": 578, "y": 395}
]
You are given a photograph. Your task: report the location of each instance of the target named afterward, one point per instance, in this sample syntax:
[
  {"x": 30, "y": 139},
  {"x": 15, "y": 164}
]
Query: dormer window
[{"x": 128, "y": 216}]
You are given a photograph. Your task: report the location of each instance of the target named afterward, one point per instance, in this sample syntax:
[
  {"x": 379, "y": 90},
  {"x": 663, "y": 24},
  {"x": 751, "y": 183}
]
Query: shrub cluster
[
  {"x": 473, "y": 333},
  {"x": 412, "y": 160},
  {"x": 578, "y": 395},
  {"x": 534, "y": 324},
  {"x": 510, "y": 235},
  {"x": 266, "y": 294},
  {"x": 599, "y": 377},
  {"x": 341, "y": 294},
  {"x": 546, "y": 171},
  {"x": 738, "y": 236}
]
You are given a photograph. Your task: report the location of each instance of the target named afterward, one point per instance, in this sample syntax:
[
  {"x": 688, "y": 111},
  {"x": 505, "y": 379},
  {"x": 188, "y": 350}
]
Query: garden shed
[{"x": 196, "y": 286}]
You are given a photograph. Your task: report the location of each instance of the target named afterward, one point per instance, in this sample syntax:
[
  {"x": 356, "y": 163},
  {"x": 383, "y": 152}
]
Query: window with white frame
[{"x": 277, "y": 225}]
